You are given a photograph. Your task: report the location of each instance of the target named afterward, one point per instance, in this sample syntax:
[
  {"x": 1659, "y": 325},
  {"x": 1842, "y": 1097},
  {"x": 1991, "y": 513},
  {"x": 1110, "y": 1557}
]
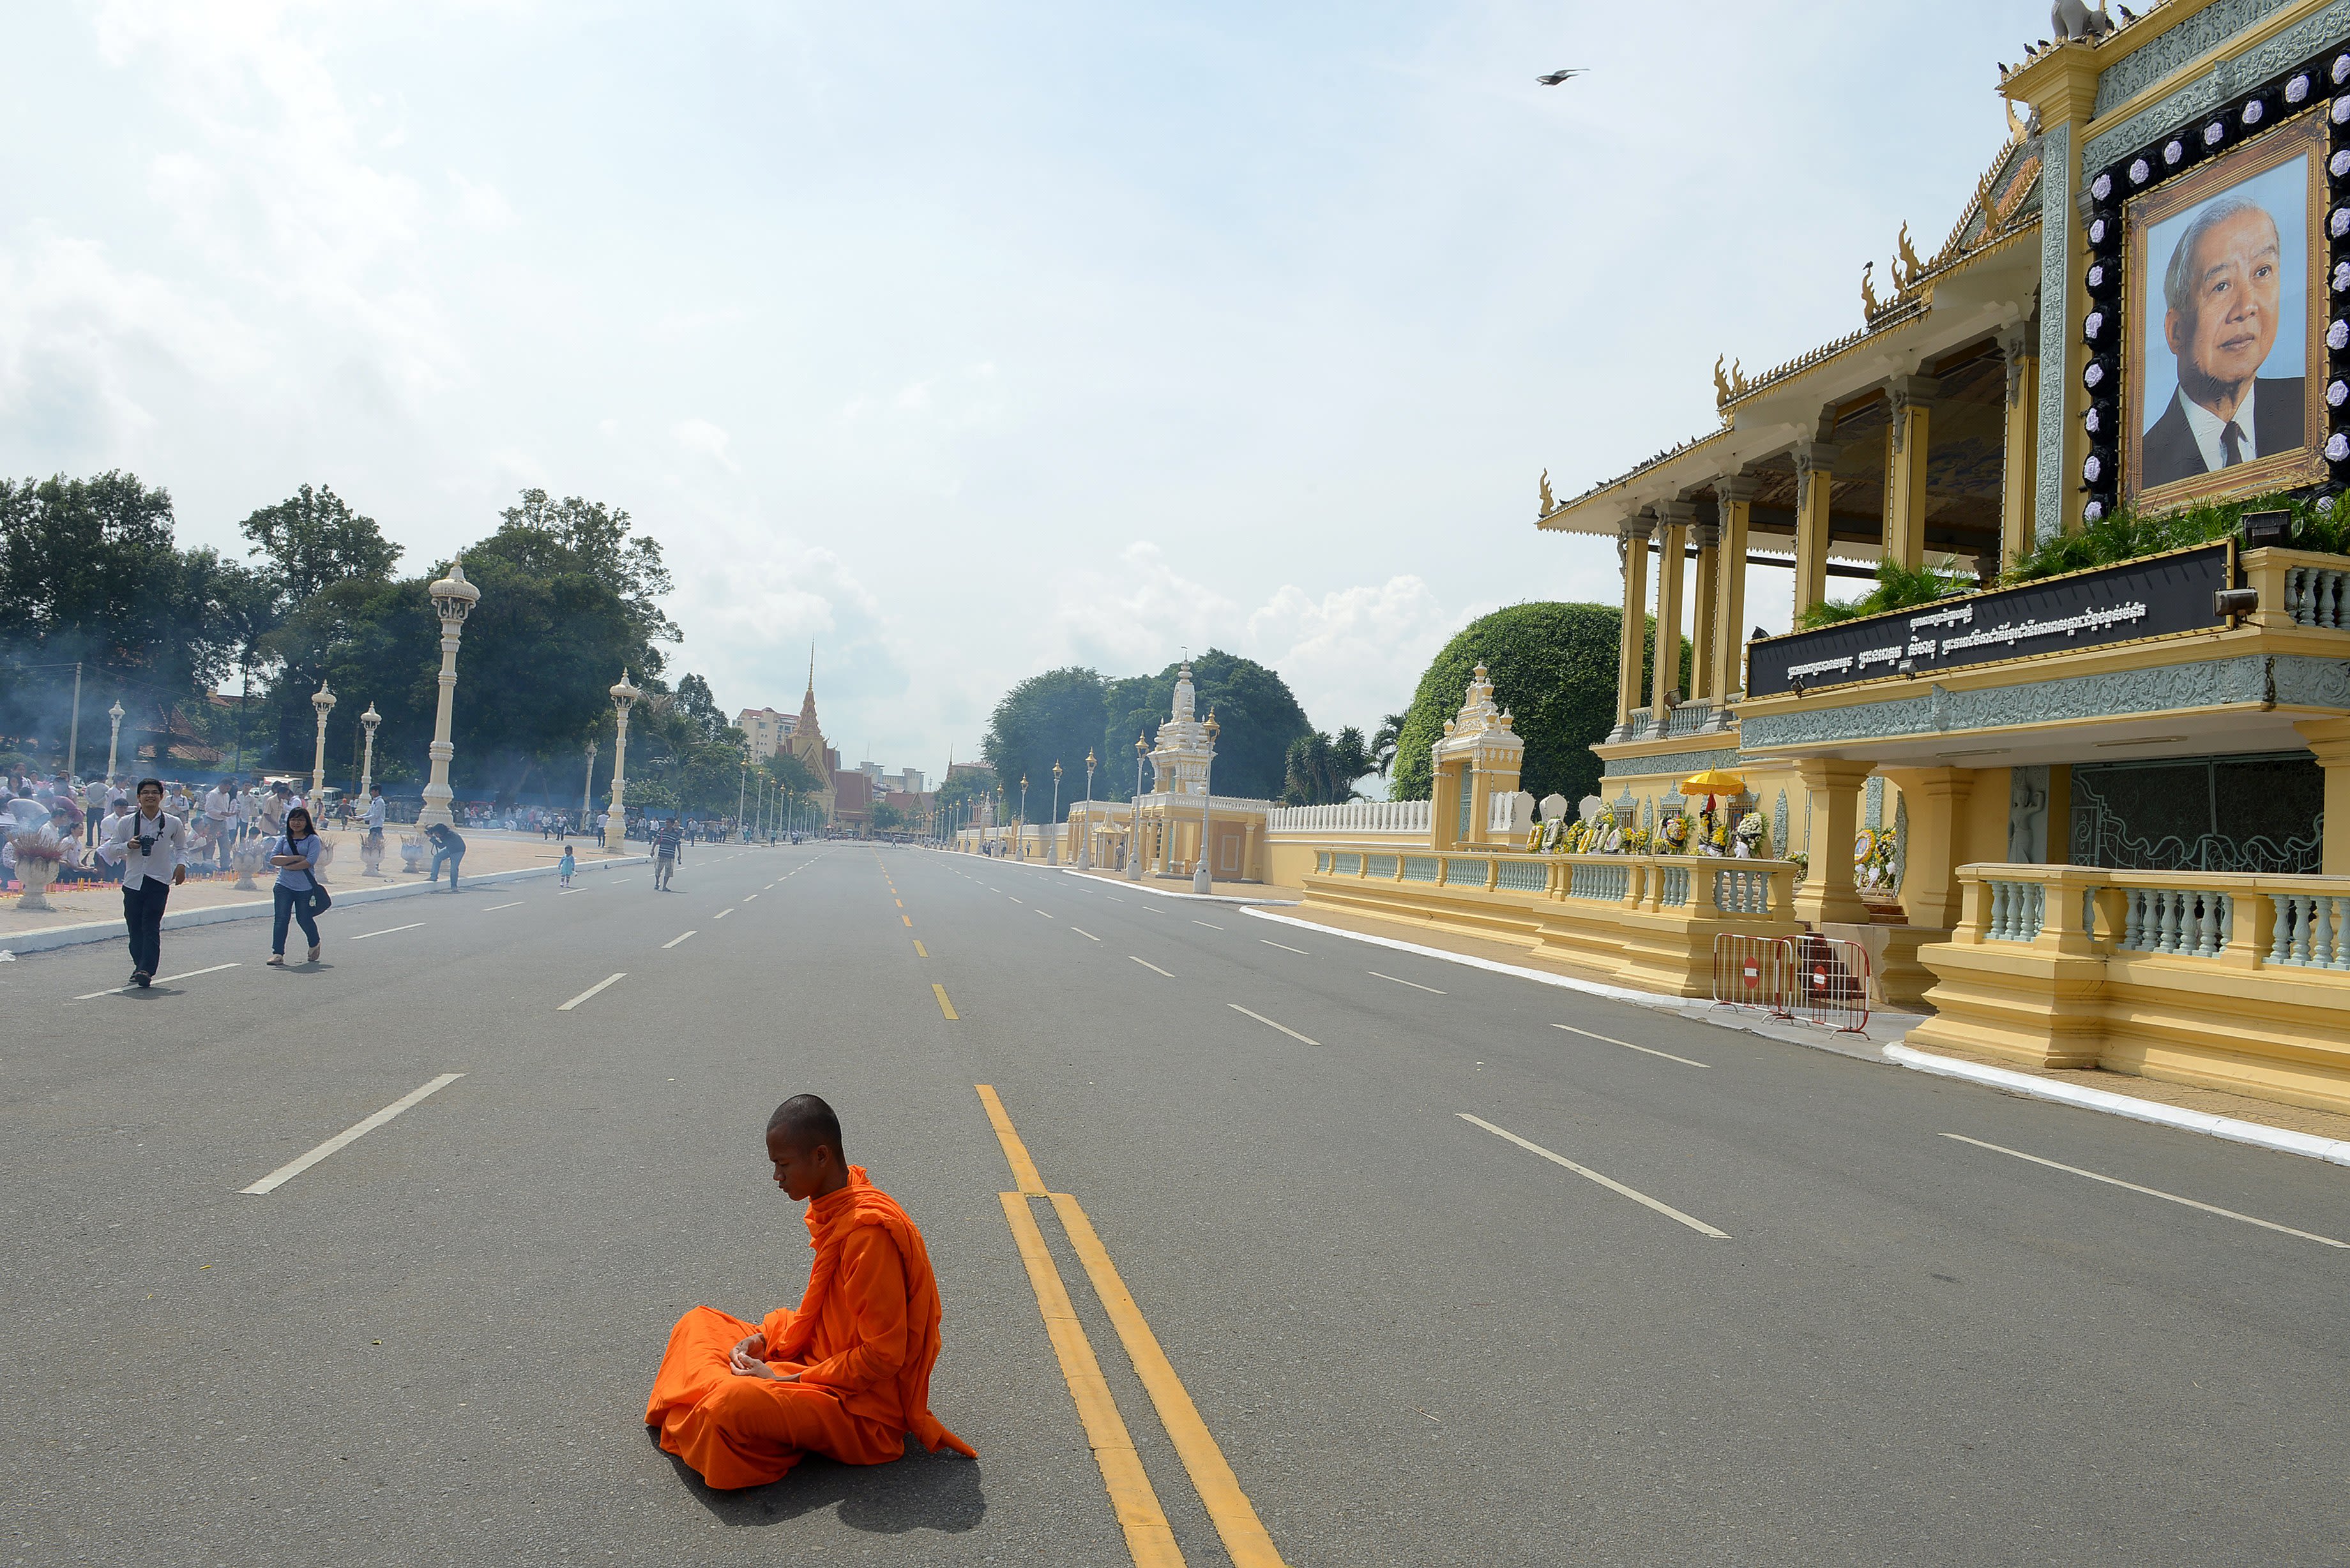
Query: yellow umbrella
[{"x": 1714, "y": 781}]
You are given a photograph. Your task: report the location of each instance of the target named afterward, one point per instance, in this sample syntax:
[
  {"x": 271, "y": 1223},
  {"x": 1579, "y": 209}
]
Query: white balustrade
[{"x": 1353, "y": 818}]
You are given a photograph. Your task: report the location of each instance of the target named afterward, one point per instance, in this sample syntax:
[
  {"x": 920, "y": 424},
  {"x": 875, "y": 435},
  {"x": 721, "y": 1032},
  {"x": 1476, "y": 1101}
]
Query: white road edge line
[
  {"x": 591, "y": 990},
  {"x": 1269, "y": 1024},
  {"x": 674, "y": 940},
  {"x": 1611, "y": 1040},
  {"x": 493, "y": 908},
  {"x": 2150, "y": 1191},
  {"x": 1609, "y": 1182},
  {"x": 1088, "y": 935},
  {"x": 1400, "y": 981},
  {"x": 162, "y": 980},
  {"x": 352, "y": 1134},
  {"x": 1285, "y": 947},
  {"x": 1149, "y": 965},
  {"x": 387, "y": 930}
]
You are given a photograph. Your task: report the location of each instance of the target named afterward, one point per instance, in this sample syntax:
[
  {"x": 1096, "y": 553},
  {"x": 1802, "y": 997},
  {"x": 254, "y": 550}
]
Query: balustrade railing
[
  {"x": 2240, "y": 920},
  {"x": 2318, "y": 595},
  {"x": 1694, "y": 887},
  {"x": 1349, "y": 817}
]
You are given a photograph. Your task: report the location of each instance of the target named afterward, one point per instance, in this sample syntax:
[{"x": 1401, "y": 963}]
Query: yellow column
[
  {"x": 1827, "y": 892},
  {"x": 1707, "y": 620},
  {"x": 1444, "y": 805},
  {"x": 1929, "y": 876},
  {"x": 1632, "y": 542},
  {"x": 2330, "y": 739},
  {"x": 1905, "y": 468},
  {"x": 1814, "y": 470},
  {"x": 1736, "y": 500},
  {"x": 1672, "y": 555},
  {"x": 2020, "y": 478}
]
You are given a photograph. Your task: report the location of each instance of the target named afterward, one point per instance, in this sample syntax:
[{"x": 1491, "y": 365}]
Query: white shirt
[
  {"x": 171, "y": 851},
  {"x": 245, "y": 804},
  {"x": 220, "y": 806},
  {"x": 375, "y": 810},
  {"x": 2207, "y": 427},
  {"x": 108, "y": 848}
]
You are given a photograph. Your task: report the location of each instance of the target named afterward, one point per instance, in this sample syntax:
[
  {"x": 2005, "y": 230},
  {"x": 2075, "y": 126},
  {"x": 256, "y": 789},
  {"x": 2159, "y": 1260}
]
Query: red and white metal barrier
[
  {"x": 1813, "y": 979},
  {"x": 1753, "y": 972}
]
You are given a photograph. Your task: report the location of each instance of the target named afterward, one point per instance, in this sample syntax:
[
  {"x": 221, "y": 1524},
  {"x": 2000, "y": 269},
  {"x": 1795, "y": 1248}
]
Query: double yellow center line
[{"x": 1148, "y": 1539}]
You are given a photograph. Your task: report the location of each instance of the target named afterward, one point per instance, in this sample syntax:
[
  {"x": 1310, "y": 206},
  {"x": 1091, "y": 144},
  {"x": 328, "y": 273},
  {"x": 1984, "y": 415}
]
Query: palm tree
[{"x": 1383, "y": 742}]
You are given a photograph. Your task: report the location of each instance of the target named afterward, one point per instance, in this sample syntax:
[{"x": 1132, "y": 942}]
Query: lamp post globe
[
  {"x": 1202, "y": 880},
  {"x": 368, "y": 722},
  {"x": 114, "y": 742},
  {"x": 453, "y": 600},
  {"x": 322, "y": 700}
]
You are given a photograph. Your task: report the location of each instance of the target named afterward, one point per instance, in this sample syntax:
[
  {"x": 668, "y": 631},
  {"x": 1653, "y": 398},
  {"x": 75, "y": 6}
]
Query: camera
[{"x": 146, "y": 842}]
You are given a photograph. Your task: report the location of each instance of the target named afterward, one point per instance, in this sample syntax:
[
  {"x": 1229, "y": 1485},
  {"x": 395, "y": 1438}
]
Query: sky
[{"x": 962, "y": 342}]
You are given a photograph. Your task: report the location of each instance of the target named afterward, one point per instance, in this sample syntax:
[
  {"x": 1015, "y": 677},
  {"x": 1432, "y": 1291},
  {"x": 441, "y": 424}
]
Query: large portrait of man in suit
[{"x": 2224, "y": 331}]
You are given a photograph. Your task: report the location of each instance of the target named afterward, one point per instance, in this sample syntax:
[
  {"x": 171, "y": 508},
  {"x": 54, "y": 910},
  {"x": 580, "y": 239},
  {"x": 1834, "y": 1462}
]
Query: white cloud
[
  {"x": 481, "y": 203},
  {"x": 702, "y": 437}
]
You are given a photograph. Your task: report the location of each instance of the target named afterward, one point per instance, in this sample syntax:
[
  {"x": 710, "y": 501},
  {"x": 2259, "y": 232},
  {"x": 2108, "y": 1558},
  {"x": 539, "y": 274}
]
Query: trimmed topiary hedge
[{"x": 1553, "y": 667}]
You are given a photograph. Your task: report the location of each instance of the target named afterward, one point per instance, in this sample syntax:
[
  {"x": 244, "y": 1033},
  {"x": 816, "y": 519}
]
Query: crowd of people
[{"x": 84, "y": 813}]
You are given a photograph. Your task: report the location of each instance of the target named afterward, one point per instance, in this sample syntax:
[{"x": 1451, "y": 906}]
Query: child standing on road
[{"x": 566, "y": 866}]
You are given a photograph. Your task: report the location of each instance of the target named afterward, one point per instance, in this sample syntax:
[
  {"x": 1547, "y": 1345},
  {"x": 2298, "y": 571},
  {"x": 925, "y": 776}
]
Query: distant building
[{"x": 766, "y": 729}]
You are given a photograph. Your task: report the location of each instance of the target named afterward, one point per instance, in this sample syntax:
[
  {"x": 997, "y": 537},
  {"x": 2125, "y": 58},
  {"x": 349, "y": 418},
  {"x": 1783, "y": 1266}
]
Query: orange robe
[{"x": 863, "y": 1339}]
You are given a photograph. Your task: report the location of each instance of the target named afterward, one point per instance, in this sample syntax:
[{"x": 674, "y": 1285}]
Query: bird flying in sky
[{"x": 1557, "y": 76}]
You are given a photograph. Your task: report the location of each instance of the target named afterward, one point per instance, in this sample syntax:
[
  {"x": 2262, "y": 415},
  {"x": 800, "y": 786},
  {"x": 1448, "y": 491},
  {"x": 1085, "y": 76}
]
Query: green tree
[
  {"x": 1383, "y": 743},
  {"x": 89, "y": 572},
  {"x": 313, "y": 539},
  {"x": 887, "y": 818},
  {"x": 1553, "y": 666},
  {"x": 1319, "y": 770},
  {"x": 1049, "y": 718},
  {"x": 599, "y": 539}
]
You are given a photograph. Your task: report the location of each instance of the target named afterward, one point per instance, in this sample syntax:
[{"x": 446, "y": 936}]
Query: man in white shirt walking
[{"x": 151, "y": 846}]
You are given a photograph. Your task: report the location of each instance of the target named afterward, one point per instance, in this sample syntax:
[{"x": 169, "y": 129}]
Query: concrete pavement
[{"x": 1410, "y": 1338}]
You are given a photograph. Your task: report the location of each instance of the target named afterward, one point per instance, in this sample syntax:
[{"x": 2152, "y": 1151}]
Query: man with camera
[{"x": 150, "y": 845}]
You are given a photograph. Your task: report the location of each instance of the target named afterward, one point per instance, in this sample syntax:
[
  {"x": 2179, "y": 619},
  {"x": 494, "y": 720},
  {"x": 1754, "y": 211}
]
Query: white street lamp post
[
  {"x": 114, "y": 742},
  {"x": 1134, "y": 814},
  {"x": 624, "y": 697},
  {"x": 368, "y": 722},
  {"x": 588, "y": 790},
  {"x": 452, "y": 600},
  {"x": 1053, "y": 844},
  {"x": 1202, "y": 880},
  {"x": 323, "y": 701},
  {"x": 1085, "y": 845}
]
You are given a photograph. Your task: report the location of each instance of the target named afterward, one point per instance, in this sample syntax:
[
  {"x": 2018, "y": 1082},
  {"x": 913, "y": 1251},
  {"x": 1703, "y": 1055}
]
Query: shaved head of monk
[{"x": 803, "y": 1146}]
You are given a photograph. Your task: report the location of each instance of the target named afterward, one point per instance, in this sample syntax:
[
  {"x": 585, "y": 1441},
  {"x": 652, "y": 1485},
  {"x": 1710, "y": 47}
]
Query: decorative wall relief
[
  {"x": 1872, "y": 803},
  {"x": 1779, "y": 844}
]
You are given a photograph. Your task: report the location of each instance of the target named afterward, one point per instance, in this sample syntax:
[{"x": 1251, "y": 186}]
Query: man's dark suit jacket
[{"x": 2170, "y": 449}]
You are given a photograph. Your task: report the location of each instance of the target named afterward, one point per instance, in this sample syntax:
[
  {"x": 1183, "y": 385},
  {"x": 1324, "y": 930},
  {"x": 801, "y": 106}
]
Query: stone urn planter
[
  {"x": 412, "y": 853},
  {"x": 371, "y": 855},
  {"x": 36, "y": 876},
  {"x": 251, "y": 857},
  {"x": 39, "y": 852}
]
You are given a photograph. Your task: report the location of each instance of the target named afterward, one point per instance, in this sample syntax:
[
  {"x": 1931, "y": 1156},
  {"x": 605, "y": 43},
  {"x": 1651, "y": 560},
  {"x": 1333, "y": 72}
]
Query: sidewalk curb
[
  {"x": 2333, "y": 1151},
  {"x": 2281, "y": 1140},
  {"x": 1170, "y": 893},
  {"x": 88, "y": 931}
]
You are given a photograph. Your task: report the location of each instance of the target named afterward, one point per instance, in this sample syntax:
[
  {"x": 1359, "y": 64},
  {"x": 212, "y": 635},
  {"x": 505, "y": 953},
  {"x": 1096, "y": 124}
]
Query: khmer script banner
[{"x": 2161, "y": 596}]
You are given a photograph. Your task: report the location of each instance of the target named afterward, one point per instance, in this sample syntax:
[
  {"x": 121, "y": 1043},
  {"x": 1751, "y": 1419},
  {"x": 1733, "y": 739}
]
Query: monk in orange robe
[{"x": 848, "y": 1372}]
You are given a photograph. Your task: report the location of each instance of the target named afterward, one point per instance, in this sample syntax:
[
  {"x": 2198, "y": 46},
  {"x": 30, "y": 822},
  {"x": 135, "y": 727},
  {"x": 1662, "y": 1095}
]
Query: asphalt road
[{"x": 1411, "y": 1339}]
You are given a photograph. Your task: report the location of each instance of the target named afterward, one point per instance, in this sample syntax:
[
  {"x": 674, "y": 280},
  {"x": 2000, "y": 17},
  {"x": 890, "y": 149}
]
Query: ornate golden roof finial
[
  {"x": 1548, "y": 506},
  {"x": 1906, "y": 273},
  {"x": 1720, "y": 384},
  {"x": 1869, "y": 303}
]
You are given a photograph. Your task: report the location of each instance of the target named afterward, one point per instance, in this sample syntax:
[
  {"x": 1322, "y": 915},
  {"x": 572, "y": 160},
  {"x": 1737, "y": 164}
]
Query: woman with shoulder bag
[{"x": 298, "y": 893}]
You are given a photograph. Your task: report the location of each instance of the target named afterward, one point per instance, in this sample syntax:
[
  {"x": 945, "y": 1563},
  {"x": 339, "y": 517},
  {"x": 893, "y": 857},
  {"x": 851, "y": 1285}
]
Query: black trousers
[{"x": 142, "y": 912}]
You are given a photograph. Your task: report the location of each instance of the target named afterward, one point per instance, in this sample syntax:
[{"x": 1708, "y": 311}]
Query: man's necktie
[{"x": 2231, "y": 445}]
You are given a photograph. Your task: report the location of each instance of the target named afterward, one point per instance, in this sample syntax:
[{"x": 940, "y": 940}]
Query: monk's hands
[{"x": 747, "y": 1360}]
